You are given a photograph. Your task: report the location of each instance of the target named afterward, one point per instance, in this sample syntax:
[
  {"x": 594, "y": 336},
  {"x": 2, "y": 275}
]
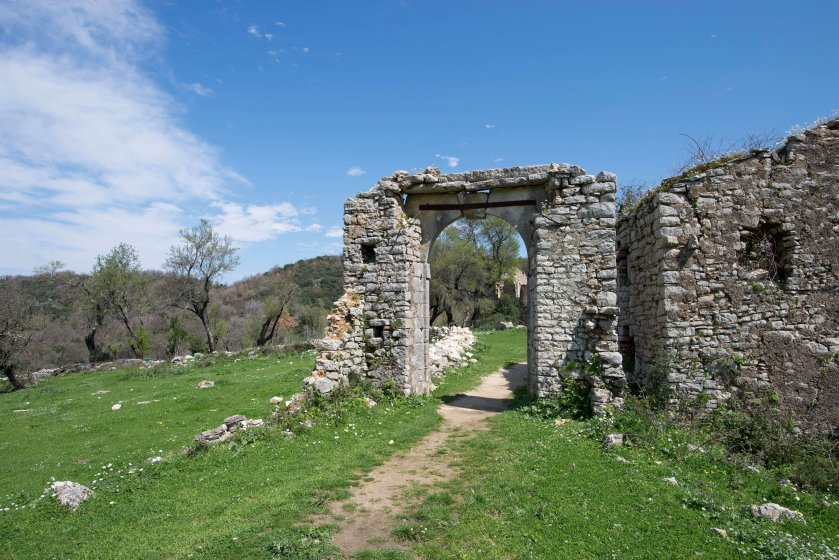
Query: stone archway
[{"x": 566, "y": 218}]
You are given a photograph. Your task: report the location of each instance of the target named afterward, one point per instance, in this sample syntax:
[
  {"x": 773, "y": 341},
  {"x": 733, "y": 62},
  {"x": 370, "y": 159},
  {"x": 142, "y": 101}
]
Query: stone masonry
[
  {"x": 728, "y": 279},
  {"x": 722, "y": 281},
  {"x": 379, "y": 329}
]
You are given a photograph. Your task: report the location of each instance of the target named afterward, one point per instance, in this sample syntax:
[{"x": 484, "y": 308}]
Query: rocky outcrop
[{"x": 227, "y": 430}]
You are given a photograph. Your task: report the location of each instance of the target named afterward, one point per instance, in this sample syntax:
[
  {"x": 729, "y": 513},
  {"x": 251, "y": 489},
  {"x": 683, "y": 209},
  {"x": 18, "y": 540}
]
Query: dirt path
[{"x": 367, "y": 518}]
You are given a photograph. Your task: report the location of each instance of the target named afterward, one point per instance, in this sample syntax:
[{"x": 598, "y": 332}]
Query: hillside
[{"x": 63, "y": 316}]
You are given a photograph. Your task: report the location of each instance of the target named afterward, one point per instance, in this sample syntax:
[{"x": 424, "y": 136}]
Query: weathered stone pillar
[
  {"x": 378, "y": 328},
  {"x": 573, "y": 288}
]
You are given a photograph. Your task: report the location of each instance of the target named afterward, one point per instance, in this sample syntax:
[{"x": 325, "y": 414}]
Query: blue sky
[{"x": 123, "y": 120}]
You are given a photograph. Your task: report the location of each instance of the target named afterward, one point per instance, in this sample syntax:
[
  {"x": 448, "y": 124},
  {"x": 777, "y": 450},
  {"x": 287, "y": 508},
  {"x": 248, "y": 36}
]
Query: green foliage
[
  {"x": 176, "y": 335},
  {"x": 304, "y": 543},
  {"x": 467, "y": 261},
  {"x": 759, "y": 431},
  {"x": 573, "y": 402},
  {"x": 141, "y": 342},
  {"x": 630, "y": 196},
  {"x": 196, "y": 264}
]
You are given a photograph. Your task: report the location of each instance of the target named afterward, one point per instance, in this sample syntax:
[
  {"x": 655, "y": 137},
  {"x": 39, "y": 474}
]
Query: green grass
[
  {"x": 528, "y": 488},
  {"x": 63, "y": 430},
  {"x": 238, "y": 500},
  {"x": 532, "y": 489}
]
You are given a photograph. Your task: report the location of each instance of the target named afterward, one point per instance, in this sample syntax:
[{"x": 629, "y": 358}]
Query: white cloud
[
  {"x": 334, "y": 232},
  {"x": 489, "y": 126},
  {"x": 253, "y": 223},
  {"x": 451, "y": 161},
  {"x": 77, "y": 236},
  {"x": 498, "y": 159},
  {"x": 92, "y": 152},
  {"x": 96, "y": 27},
  {"x": 280, "y": 24},
  {"x": 199, "y": 89},
  {"x": 314, "y": 228},
  {"x": 108, "y": 129},
  {"x": 269, "y": 36},
  {"x": 253, "y": 31},
  {"x": 355, "y": 171}
]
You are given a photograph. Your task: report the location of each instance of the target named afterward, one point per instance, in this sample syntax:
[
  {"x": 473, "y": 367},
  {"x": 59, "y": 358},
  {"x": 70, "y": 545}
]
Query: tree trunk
[
  {"x": 266, "y": 335},
  {"x": 211, "y": 341},
  {"x": 449, "y": 317},
  {"x": 135, "y": 349},
  {"x": 17, "y": 383},
  {"x": 90, "y": 342}
]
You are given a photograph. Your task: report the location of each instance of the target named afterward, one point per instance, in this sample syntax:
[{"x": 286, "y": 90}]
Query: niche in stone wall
[
  {"x": 623, "y": 267},
  {"x": 368, "y": 253},
  {"x": 626, "y": 346},
  {"x": 765, "y": 253}
]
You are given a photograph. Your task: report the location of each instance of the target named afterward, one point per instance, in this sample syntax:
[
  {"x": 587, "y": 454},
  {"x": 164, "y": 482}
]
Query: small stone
[
  {"x": 206, "y": 384},
  {"x": 116, "y": 406},
  {"x": 721, "y": 532},
  {"x": 213, "y": 434},
  {"x": 671, "y": 480},
  {"x": 276, "y": 400},
  {"x": 235, "y": 419},
  {"x": 620, "y": 459},
  {"x": 369, "y": 402},
  {"x": 155, "y": 459},
  {"x": 324, "y": 385},
  {"x": 70, "y": 494},
  {"x": 612, "y": 440},
  {"x": 775, "y": 512},
  {"x": 288, "y": 434}
]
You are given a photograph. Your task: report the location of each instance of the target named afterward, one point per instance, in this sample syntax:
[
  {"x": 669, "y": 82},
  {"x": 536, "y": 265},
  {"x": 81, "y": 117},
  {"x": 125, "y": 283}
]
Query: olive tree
[
  {"x": 275, "y": 306},
  {"x": 119, "y": 287},
  {"x": 196, "y": 264},
  {"x": 16, "y": 317}
]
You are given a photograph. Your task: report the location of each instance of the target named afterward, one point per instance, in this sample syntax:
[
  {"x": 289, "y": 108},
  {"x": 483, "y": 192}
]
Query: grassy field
[
  {"x": 527, "y": 488},
  {"x": 235, "y": 501},
  {"x": 65, "y": 428},
  {"x": 532, "y": 488}
]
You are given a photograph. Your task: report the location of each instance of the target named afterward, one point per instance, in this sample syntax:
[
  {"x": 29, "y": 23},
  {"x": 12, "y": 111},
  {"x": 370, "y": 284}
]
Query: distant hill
[{"x": 62, "y": 322}]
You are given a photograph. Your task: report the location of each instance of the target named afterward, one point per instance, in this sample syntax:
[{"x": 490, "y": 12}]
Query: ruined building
[{"x": 725, "y": 279}]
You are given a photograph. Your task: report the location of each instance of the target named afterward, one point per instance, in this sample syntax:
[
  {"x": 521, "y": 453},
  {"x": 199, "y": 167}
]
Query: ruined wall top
[{"x": 432, "y": 181}]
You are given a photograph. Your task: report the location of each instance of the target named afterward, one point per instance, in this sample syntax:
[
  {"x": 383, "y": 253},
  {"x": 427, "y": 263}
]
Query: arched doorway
[{"x": 566, "y": 218}]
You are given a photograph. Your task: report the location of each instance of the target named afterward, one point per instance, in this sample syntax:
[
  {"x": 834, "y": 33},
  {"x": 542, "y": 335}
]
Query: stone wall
[
  {"x": 728, "y": 279},
  {"x": 379, "y": 329}
]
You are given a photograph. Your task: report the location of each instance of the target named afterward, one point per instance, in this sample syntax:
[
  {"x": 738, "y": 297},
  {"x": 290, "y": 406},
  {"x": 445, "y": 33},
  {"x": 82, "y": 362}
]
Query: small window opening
[
  {"x": 368, "y": 253},
  {"x": 623, "y": 267},
  {"x": 764, "y": 252},
  {"x": 626, "y": 346},
  {"x": 378, "y": 332}
]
